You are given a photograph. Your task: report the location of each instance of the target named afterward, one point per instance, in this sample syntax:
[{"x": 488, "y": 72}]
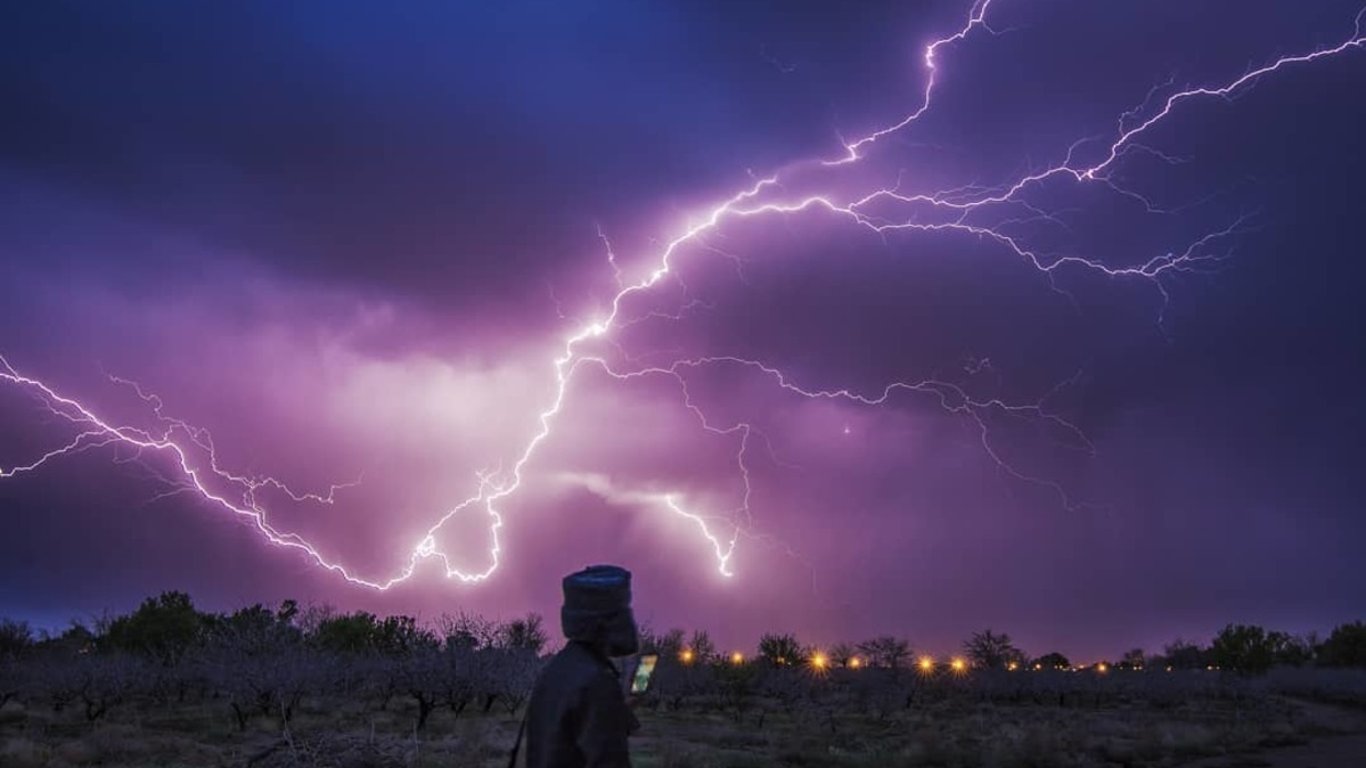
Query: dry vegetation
[
  {"x": 837, "y": 719},
  {"x": 170, "y": 686}
]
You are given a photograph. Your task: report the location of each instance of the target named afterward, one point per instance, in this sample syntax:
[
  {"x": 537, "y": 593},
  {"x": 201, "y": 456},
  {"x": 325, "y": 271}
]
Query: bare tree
[
  {"x": 990, "y": 650},
  {"x": 104, "y": 681},
  {"x": 457, "y": 677},
  {"x": 527, "y": 633},
  {"x": 842, "y": 653},
  {"x": 670, "y": 644},
  {"x": 261, "y": 665},
  {"x": 702, "y": 647},
  {"x": 467, "y": 630},
  {"x": 15, "y": 638},
  {"x": 780, "y": 649},
  {"x": 886, "y": 651},
  {"x": 421, "y": 674}
]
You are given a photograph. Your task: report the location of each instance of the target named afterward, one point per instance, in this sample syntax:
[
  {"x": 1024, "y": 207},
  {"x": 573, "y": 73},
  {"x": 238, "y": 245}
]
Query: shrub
[
  {"x": 163, "y": 628},
  {"x": 1052, "y": 660},
  {"x": 1244, "y": 648},
  {"x": 1346, "y": 647},
  {"x": 1180, "y": 654}
]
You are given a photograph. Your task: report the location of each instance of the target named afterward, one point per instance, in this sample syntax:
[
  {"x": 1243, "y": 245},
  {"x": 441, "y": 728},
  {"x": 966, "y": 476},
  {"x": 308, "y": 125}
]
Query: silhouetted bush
[
  {"x": 162, "y": 628},
  {"x": 1180, "y": 654},
  {"x": 1052, "y": 660},
  {"x": 1345, "y": 647},
  {"x": 1243, "y": 648}
]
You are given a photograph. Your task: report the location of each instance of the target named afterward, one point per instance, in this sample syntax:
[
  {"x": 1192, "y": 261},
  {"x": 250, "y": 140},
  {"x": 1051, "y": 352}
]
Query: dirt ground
[
  {"x": 1324, "y": 752},
  {"x": 1339, "y": 743}
]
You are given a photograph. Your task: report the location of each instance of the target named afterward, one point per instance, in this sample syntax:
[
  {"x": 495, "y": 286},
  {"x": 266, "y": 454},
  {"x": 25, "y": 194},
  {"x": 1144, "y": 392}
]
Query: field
[
  {"x": 169, "y": 685},
  {"x": 721, "y": 715}
]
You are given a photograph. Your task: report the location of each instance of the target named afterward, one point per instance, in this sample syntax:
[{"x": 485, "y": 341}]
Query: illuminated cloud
[{"x": 890, "y": 345}]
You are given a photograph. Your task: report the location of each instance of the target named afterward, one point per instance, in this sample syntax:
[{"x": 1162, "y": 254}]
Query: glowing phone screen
[{"x": 641, "y": 681}]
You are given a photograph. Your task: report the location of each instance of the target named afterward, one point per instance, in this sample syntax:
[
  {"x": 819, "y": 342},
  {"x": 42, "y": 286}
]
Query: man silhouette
[{"x": 578, "y": 716}]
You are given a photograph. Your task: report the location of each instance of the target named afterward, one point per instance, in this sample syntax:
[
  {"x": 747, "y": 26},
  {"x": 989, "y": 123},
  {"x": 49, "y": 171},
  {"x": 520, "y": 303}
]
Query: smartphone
[{"x": 640, "y": 682}]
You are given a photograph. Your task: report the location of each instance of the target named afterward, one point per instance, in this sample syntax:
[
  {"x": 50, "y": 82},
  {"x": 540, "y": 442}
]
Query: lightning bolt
[
  {"x": 977, "y": 17},
  {"x": 882, "y": 210}
]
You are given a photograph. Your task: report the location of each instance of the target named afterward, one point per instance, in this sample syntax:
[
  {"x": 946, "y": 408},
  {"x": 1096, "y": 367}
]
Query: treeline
[
  {"x": 1240, "y": 648},
  {"x": 262, "y": 662},
  {"x": 166, "y": 627}
]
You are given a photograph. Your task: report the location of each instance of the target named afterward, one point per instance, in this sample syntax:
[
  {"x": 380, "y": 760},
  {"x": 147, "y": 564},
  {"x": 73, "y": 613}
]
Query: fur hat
[{"x": 597, "y": 609}]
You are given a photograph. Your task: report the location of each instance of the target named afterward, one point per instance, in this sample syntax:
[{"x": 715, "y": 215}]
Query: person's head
[{"x": 597, "y": 609}]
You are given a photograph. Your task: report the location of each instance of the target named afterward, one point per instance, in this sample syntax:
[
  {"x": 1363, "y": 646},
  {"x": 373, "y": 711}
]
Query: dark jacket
[{"x": 578, "y": 716}]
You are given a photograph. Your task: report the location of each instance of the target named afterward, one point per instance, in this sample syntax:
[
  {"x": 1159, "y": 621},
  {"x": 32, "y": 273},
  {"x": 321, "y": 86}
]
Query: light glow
[{"x": 196, "y": 466}]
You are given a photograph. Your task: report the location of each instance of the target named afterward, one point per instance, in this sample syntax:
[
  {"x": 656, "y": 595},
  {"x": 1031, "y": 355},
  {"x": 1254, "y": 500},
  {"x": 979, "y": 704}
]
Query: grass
[{"x": 948, "y": 733}]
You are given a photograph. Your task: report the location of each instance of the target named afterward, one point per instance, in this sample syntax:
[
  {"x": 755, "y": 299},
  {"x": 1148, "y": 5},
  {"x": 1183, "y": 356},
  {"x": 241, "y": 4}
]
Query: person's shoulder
[
  {"x": 589, "y": 667},
  {"x": 568, "y": 673},
  {"x": 580, "y": 653}
]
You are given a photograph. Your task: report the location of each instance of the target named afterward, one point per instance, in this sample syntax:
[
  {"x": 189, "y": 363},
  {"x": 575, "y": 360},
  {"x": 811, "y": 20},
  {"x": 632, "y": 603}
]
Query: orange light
[
  {"x": 737, "y": 658},
  {"x": 1012, "y": 666},
  {"x": 1038, "y": 667},
  {"x": 855, "y": 663},
  {"x": 819, "y": 660},
  {"x": 1102, "y": 667},
  {"x": 958, "y": 665},
  {"x": 926, "y": 664},
  {"x": 686, "y": 656}
]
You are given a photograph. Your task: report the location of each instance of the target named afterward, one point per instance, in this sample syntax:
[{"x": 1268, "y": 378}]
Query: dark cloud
[{"x": 343, "y": 238}]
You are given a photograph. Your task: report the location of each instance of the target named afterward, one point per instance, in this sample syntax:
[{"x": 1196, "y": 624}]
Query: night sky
[{"x": 351, "y": 240}]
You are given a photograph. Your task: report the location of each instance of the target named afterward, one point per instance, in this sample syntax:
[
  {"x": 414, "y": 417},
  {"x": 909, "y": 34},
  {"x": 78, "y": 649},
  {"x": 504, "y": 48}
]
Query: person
[{"x": 578, "y": 716}]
